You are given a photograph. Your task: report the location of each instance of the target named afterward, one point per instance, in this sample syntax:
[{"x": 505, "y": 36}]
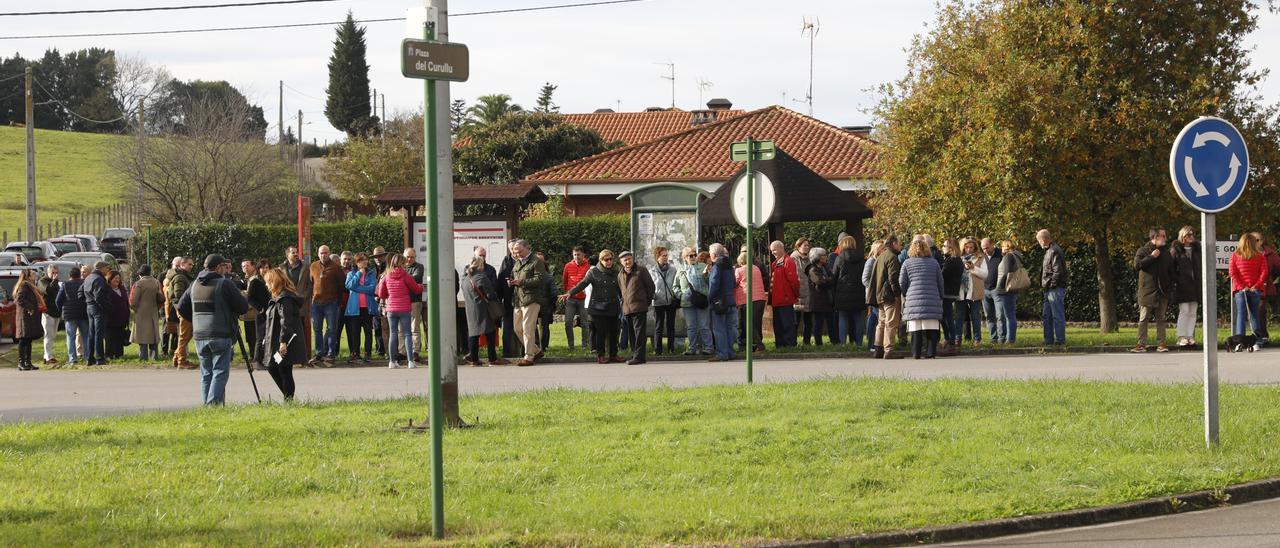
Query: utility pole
[
  {"x": 280, "y": 124},
  {"x": 383, "y": 119},
  {"x": 31, "y": 159},
  {"x": 299, "y": 152},
  {"x": 142, "y": 151}
]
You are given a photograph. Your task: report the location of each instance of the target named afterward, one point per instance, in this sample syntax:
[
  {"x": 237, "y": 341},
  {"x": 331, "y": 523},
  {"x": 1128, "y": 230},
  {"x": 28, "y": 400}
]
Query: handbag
[
  {"x": 494, "y": 308},
  {"x": 698, "y": 300},
  {"x": 1018, "y": 280}
]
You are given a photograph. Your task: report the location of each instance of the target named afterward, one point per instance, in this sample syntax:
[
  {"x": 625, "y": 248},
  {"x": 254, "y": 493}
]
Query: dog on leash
[{"x": 1242, "y": 343}]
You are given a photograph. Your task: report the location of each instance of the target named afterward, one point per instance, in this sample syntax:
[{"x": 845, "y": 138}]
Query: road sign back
[{"x": 1209, "y": 164}]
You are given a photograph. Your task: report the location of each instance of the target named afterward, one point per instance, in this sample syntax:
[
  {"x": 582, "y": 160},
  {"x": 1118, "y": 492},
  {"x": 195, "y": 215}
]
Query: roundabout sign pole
[{"x": 1209, "y": 166}]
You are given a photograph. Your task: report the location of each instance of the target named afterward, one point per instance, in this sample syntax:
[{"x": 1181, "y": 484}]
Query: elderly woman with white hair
[{"x": 819, "y": 300}]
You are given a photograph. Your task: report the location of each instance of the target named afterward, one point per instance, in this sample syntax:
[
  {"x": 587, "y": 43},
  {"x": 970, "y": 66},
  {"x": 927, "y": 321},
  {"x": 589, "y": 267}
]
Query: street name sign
[
  {"x": 1209, "y": 164},
  {"x": 434, "y": 60}
]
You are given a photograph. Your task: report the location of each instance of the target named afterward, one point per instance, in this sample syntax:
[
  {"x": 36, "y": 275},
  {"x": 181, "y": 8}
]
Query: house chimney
[
  {"x": 603, "y": 111},
  {"x": 719, "y": 103},
  {"x": 860, "y": 131},
  {"x": 699, "y": 117},
  {"x": 654, "y": 109}
]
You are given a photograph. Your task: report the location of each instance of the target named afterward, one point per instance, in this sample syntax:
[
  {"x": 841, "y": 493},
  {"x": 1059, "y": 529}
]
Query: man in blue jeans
[
  {"x": 75, "y": 315},
  {"x": 213, "y": 305},
  {"x": 1053, "y": 279},
  {"x": 97, "y": 298},
  {"x": 995, "y": 329},
  {"x": 723, "y": 325},
  {"x": 327, "y": 285}
]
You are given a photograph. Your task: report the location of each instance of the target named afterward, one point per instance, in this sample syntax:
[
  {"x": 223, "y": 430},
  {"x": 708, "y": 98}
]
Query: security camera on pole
[{"x": 1209, "y": 165}]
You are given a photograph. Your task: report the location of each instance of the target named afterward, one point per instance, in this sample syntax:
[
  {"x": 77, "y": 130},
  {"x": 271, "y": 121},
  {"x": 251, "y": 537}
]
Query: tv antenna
[
  {"x": 703, "y": 86},
  {"x": 671, "y": 67},
  {"x": 811, "y": 28}
]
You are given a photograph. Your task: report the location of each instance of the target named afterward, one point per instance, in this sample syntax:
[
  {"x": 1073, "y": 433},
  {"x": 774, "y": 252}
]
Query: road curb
[
  {"x": 1152, "y": 507},
  {"x": 866, "y": 354}
]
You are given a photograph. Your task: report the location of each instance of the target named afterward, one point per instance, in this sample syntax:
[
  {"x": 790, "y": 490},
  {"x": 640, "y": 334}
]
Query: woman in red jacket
[
  {"x": 1249, "y": 271},
  {"x": 397, "y": 289}
]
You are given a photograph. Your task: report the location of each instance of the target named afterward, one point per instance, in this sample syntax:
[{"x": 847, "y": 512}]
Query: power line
[
  {"x": 14, "y": 77},
  {"x": 163, "y": 8},
  {"x": 68, "y": 109},
  {"x": 299, "y": 92},
  {"x": 299, "y": 25}
]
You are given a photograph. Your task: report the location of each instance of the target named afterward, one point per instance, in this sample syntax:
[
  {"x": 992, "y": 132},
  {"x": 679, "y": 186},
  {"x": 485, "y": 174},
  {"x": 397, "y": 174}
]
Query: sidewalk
[{"x": 44, "y": 395}]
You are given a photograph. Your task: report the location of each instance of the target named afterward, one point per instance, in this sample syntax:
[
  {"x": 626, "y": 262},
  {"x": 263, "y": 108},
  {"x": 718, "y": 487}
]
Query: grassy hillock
[{"x": 71, "y": 175}]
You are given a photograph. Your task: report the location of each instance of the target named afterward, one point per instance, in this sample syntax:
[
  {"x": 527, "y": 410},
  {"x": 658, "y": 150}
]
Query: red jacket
[
  {"x": 1273, "y": 267},
  {"x": 786, "y": 282},
  {"x": 398, "y": 289},
  {"x": 1248, "y": 273},
  {"x": 574, "y": 274}
]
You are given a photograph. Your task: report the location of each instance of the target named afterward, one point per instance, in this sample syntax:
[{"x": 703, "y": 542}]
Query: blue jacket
[
  {"x": 722, "y": 280},
  {"x": 355, "y": 288},
  {"x": 921, "y": 281}
]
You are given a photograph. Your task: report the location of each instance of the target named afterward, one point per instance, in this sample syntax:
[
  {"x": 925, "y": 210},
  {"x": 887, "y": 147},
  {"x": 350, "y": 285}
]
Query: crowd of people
[{"x": 937, "y": 298}]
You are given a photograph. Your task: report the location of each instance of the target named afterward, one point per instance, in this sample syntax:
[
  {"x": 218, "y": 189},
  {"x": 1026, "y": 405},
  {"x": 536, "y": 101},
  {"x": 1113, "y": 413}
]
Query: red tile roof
[
  {"x": 637, "y": 127},
  {"x": 701, "y": 153},
  {"x": 471, "y": 194}
]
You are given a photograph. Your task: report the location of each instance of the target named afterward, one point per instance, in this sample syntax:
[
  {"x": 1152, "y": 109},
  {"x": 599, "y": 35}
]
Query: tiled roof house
[{"x": 699, "y": 156}]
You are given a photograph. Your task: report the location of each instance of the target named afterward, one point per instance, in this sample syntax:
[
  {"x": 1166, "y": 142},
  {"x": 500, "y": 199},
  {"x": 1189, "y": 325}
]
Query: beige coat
[{"x": 146, "y": 300}]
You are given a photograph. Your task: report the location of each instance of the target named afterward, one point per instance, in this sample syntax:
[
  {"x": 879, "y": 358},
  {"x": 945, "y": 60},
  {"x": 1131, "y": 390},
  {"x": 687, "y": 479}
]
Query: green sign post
[
  {"x": 749, "y": 151},
  {"x": 417, "y": 61}
]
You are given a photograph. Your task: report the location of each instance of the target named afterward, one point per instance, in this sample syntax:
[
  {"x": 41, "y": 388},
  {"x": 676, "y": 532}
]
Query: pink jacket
[
  {"x": 398, "y": 288},
  {"x": 740, "y": 289}
]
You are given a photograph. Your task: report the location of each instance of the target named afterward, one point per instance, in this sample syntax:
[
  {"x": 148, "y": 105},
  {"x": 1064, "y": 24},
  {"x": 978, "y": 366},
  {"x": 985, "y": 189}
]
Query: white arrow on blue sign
[{"x": 1209, "y": 164}]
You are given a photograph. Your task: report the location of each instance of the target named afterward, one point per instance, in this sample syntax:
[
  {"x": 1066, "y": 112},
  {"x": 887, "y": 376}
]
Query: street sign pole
[
  {"x": 748, "y": 151},
  {"x": 434, "y": 356},
  {"x": 751, "y": 220},
  {"x": 1209, "y": 275}
]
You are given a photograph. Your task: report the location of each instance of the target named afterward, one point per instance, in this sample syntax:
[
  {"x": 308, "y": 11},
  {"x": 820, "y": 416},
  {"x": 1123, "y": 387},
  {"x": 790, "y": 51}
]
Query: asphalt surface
[
  {"x": 1256, "y": 524},
  {"x": 53, "y": 394}
]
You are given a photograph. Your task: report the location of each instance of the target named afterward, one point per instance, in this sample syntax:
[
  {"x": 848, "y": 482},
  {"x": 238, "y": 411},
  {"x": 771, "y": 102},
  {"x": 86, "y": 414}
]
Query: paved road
[
  {"x": 1249, "y": 525},
  {"x": 43, "y": 395}
]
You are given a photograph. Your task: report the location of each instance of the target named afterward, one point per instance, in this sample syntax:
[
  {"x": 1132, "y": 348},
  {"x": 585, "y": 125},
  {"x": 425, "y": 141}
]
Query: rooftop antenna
[
  {"x": 619, "y": 103},
  {"x": 810, "y": 27},
  {"x": 671, "y": 67},
  {"x": 703, "y": 86}
]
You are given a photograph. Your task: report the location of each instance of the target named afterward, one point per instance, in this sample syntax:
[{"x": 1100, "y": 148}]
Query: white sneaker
[
  {"x": 393, "y": 365},
  {"x": 1256, "y": 347},
  {"x": 412, "y": 365}
]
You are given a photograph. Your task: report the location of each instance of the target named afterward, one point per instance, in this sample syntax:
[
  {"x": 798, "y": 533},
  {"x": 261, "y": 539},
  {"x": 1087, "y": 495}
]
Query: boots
[{"x": 879, "y": 352}]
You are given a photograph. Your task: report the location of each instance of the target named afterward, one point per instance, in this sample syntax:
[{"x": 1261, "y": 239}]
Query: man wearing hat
[
  {"x": 638, "y": 291},
  {"x": 213, "y": 304},
  {"x": 380, "y": 321}
]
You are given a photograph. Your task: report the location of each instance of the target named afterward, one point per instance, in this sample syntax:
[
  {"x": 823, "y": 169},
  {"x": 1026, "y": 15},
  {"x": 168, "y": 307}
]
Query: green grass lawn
[
  {"x": 71, "y": 175},
  {"x": 1029, "y": 337},
  {"x": 721, "y": 464}
]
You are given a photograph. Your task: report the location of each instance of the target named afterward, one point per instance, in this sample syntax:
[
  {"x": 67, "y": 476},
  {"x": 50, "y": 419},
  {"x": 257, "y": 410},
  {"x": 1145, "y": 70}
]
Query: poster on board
[{"x": 492, "y": 235}]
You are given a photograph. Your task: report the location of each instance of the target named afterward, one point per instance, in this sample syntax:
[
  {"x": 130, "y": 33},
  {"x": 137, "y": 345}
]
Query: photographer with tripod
[{"x": 213, "y": 305}]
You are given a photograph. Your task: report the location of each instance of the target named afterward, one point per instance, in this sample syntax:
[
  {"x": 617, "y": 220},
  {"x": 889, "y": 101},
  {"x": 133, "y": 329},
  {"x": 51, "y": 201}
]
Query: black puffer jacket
[
  {"x": 952, "y": 274},
  {"x": 850, "y": 294}
]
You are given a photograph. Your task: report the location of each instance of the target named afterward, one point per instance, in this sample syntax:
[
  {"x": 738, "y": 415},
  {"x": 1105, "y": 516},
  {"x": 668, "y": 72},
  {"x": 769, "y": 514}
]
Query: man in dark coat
[
  {"x": 638, "y": 290},
  {"x": 992, "y": 251},
  {"x": 1053, "y": 280},
  {"x": 886, "y": 290},
  {"x": 97, "y": 298},
  {"x": 1155, "y": 285},
  {"x": 50, "y": 286},
  {"x": 75, "y": 315}
]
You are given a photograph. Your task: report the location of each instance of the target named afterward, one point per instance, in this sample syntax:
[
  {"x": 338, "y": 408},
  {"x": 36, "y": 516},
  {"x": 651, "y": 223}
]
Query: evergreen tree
[
  {"x": 544, "y": 99},
  {"x": 457, "y": 115},
  {"x": 347, "y": 107},
  {"x": 489, "y": 109}
]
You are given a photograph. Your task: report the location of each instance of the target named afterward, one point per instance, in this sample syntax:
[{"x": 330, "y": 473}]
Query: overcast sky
[{"x": 751, "y": 51}]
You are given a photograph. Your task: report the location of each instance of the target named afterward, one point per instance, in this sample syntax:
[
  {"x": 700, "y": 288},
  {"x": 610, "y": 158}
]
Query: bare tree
[
  {"x": 137, "y": 81},
  {"x": 213, "y": 170}
]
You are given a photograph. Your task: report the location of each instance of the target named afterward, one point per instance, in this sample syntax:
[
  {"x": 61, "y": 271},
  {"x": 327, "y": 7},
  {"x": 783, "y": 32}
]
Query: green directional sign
[{"x": 758, "y": 150}]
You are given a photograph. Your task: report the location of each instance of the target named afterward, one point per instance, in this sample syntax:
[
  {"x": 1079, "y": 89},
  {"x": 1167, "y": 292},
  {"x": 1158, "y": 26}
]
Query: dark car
[
  {"x": 35, "y": 251},
  {"x": 116, "y": 242},
  {"x": 12, "y": 258},
  {"x": 90, "y": 241},
  {"x": 68, "y": 245}
]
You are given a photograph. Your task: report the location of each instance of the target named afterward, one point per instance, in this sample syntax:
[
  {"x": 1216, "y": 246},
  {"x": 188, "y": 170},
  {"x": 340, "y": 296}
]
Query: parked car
[
  {"x": 116, "y": 242},
  {"x": 12, "y": 258},
  {"x": 63, "y": 267},
  {"x": 69, "y": 245},
  {"x": 8, "y": 309},
  {"x": 90, "y": 258},
  {"x": 90, "y": 241},
  {"x": 34, "y": 251}
]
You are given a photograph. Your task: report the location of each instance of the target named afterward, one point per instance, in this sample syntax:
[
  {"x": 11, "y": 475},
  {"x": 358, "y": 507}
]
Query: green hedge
[
  {"x": 557, "y": 237},
  {"x": 238, "y": 242}
]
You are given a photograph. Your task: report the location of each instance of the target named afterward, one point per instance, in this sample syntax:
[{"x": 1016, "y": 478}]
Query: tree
[
  {"x": 137, "y": 82},
  {"x": 512, "y": 147},
  {"x": 347, "y": 104},
  {"x": 363, "y": 168},
  {"x": 213, "y": 170},
  {"x": 544, "y": 99},
  {"x": 489, "y": 109},
  {"x": 457, "y": 115},
  {"x": 172, "y": 107},
  {"x": 1060, "y": 115}
]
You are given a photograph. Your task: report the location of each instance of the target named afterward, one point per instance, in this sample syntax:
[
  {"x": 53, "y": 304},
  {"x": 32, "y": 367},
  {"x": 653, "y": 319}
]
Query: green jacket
[
  {"x": 533, "y": 276},
  {"x": 179, "y": 280}
]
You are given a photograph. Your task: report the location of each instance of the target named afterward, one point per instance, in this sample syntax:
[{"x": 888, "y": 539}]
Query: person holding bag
[
  {"x": 27, "y": 326},
  {"x": 691, "y": 289},
  {"x": 484, "y": 309},
  {"x": 1011, "y": 279},
  {"x": 605, "y": 306},
  {"x": 724, "y": 313},
  {"x": 282, "y": 344}
]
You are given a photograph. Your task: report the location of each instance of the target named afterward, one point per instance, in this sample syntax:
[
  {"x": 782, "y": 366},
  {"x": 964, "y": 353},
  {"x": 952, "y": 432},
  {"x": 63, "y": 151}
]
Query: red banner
[{"x": 304, "y": 229}]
